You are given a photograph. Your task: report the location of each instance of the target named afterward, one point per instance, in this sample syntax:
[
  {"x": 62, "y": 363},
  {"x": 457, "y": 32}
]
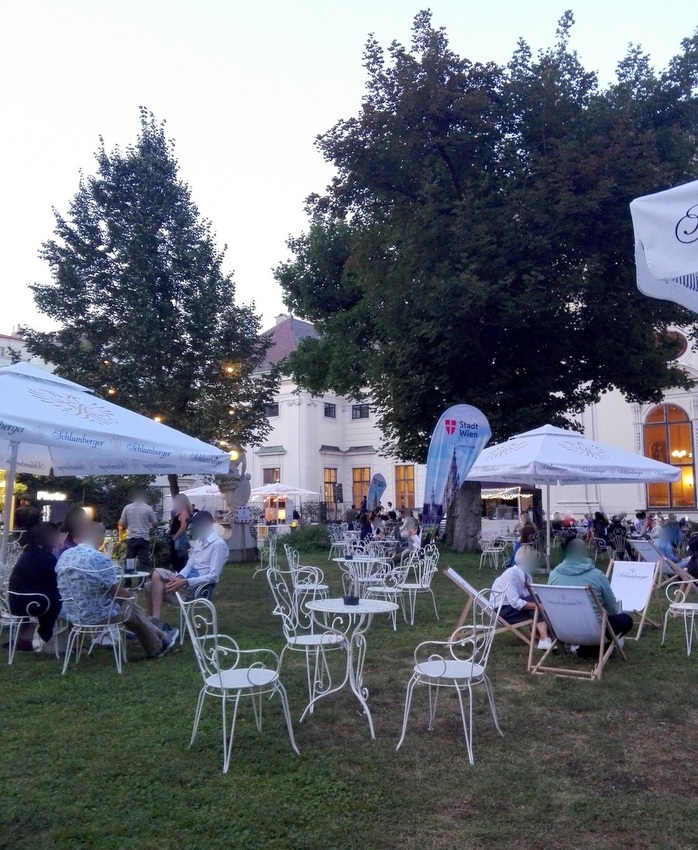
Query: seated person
[
  {"x": 100, "y": 595},
  {"x": 518, "y": 605},
  {"x": 556, "y": 522},
  {"x": 569, "y": 521},
  {"x": 578, "y": 569},
  {"x": 692, "y": 565},
  {"x": 665, "y": 546},
  {"x": 365, "y": 527},
  {"x": 206, "y": 559},
  {"x": 35, "y": 572}
]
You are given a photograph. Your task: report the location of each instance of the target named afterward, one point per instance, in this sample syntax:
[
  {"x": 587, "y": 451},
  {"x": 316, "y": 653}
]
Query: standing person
[
  {"x": 35, "y": 573},
  {"x": 137, "y": 518},
  {"x": 182, "y": 514},
  {"x": 26, "y": 516},
  {"x": 208, "y": 555},
  {"x": 578, "y": 569},
  {"x": 99, "y": 596}
]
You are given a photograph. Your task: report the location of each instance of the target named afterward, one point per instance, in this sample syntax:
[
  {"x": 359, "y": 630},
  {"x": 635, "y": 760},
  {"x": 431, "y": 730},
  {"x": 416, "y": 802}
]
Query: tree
[
  {"x": 475, "y": 244},
  {"x": 147, "y": 315}
]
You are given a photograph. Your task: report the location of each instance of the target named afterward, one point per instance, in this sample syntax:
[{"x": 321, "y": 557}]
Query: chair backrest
[
  {"x": 646, "y": 550},
  {"x": 632, "y": 583},
  {"x": 678, "y": 591},
  {"x": 205, "y": 591},
  {"x": 424, "y": 565},
  {"x": 290, "y": 603},
  {"x": 618, "y": 538},
  {"x": 36, "y": 603},
  {"x": 202, "y": 625},
  {"x": 474, "y": 639},
  {"x": 571, "y": 612},
  {"x": 86, "y": 594}
]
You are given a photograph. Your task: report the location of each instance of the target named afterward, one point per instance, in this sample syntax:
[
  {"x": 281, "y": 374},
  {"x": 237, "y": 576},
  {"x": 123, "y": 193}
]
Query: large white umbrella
[
  {"x": 281, "y": 490},
  {"x": 48, "y": 423},
  {"x": 551, "y": 455},
  {"x": 666, "y": 244}
]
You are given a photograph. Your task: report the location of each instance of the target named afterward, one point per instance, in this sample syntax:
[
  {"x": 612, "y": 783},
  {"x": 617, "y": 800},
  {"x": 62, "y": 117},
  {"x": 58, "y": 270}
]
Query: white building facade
[{"x": 329, "y": 444}]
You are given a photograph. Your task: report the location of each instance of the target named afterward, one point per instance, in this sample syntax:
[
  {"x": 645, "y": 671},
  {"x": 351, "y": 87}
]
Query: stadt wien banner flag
[
  {"x": 375, "y": 491},
  {"x": 666, "y": 244},
  {"x": 460, "y": 435}
]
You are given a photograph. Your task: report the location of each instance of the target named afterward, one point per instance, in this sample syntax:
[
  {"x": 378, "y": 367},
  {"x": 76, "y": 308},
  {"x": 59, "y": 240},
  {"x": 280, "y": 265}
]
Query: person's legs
[
  {"x": 47, "y": 621},
  {"x": 150, "y": 637},
  {"x": 137, "y": 548},
  {"x": 620, "y": 623},
  {"x": 155, "y": 590}
]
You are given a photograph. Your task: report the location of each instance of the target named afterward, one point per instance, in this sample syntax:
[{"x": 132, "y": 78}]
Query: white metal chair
[
  {"x": 84, "y": 598},
  {"x": 337, "y": 533},
  {"x": 230, "y": 673},
  {"x": 576, "y": 617},
  {"x": 491, "y": 550},
  {"x": 300, "y": 629},
  {"x": 389, "y": 584},
  {"x": 677, "y": 593},
  {"x": 460, "y": 663},
  {"x": 301, "y": 581},
  {"x": 423, "y": 568}
]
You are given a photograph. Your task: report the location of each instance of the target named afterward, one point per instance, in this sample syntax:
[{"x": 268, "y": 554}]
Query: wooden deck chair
[
  {"x": 571, "y": 613},
  {"x": 502, "y": 625},
  {"x": 634, "y": 584},
  {"x": 649, "y": 552}
]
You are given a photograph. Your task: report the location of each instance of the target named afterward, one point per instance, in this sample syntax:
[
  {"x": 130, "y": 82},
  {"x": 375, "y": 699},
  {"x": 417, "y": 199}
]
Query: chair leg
[
  {"x": 281, "y": 691},
  {"x": 493, "y": 708},
  {"x": 467, "y": 726},
  {"x": 433, "y": 703},
  {"x": 666, "y": 623},
  {"x": 406, "y": 715},
  {"x": 72, "y": 644},
  {"x": 197, "y": 714},
  {"x": 228, "y": 751},
  {"x": 433, "y": 599}
]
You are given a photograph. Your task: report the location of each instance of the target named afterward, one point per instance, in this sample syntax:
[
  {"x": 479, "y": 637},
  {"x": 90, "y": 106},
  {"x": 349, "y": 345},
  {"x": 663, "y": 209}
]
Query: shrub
[{"x": 305, "y": 538}]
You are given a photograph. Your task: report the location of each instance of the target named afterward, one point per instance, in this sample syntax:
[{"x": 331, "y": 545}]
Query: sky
[{"x": 244, "y": 88}]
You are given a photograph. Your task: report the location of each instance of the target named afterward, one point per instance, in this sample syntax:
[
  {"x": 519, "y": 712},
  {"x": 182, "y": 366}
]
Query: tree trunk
[
  {"x": 465, "y": 517},
  {"x": 174, "y": 484}
]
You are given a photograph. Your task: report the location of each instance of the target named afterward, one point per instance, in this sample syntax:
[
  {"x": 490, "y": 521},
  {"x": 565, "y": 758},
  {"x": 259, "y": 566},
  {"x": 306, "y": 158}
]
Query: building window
[
  {"x": 404, "y": 486},
  {"x": 359, "y": 411},
  {"x": 271, "y": 475},
  {"x": 667, "y": 438},
  {"x": 360, "y": 482},
  {"x": 330, "y": 411},
  {"x": 329, "y": 482},
  {"x": 272, "y": 410}
]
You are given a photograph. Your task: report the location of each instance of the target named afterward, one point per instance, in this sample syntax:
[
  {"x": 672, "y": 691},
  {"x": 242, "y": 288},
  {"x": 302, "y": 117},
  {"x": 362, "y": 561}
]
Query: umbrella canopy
[
  {"x": 666, "y": 244},
  {"x": 50, "y": 424},
  {"x": 280, "y": 489},
  {"x": 208, "y": 498},
  {"x": 551, "y": 455}
]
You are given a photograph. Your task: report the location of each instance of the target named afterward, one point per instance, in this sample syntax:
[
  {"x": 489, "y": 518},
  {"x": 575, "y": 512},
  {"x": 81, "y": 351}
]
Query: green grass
[{"x": 97, "y": 760}]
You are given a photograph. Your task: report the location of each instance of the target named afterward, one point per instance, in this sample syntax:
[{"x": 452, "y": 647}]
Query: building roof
[{"x": 285, "y": 336}]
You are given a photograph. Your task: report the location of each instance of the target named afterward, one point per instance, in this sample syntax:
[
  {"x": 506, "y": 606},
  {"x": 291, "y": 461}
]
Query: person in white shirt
[
  {"x": 518, "y": 605},
  {"x": 206, "y": 559}
]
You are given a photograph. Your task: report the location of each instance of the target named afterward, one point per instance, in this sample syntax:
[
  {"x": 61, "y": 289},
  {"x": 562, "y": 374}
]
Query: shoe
[
  {"x": 168, "y": 642},
  {"x": 155, "y": 621},
  {"x": 545, "y": 643}
]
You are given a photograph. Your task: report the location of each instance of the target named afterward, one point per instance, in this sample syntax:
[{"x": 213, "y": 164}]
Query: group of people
[
  {"x": 376, "y": 523},
  {"x": 576, "y": 568},
  {"x": 45, "y": 574}
]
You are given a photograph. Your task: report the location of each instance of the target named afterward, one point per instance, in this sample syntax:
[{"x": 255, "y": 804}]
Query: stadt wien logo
[{"x": 450, "y": 426}]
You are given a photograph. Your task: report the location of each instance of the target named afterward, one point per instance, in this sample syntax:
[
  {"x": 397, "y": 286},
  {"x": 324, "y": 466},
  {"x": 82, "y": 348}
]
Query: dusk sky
[{"x": 244, "y": 89}]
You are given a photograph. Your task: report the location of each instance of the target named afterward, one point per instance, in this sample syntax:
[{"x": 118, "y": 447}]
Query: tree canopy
[
  {"x": 147, "y": 316},
  {"x": 475, "y": 244}
]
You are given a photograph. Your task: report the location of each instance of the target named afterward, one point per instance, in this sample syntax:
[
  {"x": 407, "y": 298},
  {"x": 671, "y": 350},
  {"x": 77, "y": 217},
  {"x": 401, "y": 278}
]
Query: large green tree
[
  {"x": 476, "y": 245},
  {"x": 147, "y": 315}
]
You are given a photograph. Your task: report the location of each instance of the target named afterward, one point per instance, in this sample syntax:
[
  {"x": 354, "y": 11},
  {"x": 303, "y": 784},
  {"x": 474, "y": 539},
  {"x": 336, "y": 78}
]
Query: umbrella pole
[
  {"x": 9, "y": 500},
  {"x": 547, "y": 523}
]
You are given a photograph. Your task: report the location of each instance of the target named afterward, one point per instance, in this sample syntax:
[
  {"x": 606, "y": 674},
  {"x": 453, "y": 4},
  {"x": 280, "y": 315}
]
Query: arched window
[{"x": 667, "y": 438}]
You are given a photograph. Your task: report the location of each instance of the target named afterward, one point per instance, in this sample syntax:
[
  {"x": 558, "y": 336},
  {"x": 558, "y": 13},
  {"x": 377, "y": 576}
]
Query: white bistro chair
[
  {"x": 303, "y": 582},
  {"x": 36, "y": 605},
  {"x": 423, "y": 567},
  {"x": 230, "y": 673},
  {"x": 301, "y": 631},
  {"x": 679, "y": 606},
  {"x": 460, "y": 663}
]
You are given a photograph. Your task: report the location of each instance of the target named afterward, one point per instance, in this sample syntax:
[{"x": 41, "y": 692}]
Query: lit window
[
  {"x": 329, "y": 483},
  {"x": 667, "y": 438},
  {"x": 360, "y": 482},
  {"x": 271, "y": 475},
  {"x": 404, "y": 486}
]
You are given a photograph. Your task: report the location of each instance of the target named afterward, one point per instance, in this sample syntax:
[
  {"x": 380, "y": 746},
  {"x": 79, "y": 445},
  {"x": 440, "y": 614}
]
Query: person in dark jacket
[{"x": 35, "y": 574}]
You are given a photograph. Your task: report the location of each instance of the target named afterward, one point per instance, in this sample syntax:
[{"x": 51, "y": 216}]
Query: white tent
[
  {"x": 551, "y": 455},
  {"x": 280, "y": 489},
  {"x": 666, "y": 244},
  {"x": 48, "y": 423}
]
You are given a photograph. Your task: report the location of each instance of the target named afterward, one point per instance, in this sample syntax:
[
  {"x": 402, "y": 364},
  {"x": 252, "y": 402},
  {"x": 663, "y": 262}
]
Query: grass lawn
[{"x": 97, "y": 760}]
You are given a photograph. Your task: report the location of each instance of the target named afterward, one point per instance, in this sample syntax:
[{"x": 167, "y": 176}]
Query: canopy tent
[
  {"x": 48, "y": 424},
  {"x": 208, "y": 497},
  {"x": 551, "y": 455},
  {"x": 280, "y": 489},
  {"x": 666, "y": 244}
]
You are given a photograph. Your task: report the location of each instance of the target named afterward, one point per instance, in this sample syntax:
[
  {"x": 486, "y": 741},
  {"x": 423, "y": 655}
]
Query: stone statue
[{"x": 235, "y": 486}]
